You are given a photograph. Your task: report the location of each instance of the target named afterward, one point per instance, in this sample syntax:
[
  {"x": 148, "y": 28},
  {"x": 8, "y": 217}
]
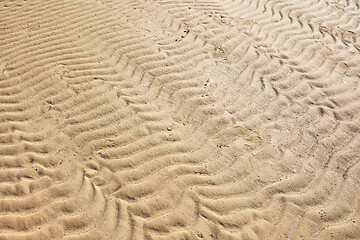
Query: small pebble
[
  {"x": 169, "y": 128},
  {"x": 294, "y": 170}
]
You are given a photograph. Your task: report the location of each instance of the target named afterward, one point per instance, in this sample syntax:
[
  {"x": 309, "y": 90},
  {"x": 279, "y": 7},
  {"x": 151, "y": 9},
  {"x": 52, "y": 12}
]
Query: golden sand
[{"x": 218, "y": 119}]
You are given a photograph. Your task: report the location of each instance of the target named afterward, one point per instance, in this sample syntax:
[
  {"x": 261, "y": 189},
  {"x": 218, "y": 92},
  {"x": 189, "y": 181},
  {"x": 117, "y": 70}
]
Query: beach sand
[{"x": 217, "y": 119}]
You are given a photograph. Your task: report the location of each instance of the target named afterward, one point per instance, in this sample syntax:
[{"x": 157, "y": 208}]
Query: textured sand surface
[{"x": 216, "y": 119}]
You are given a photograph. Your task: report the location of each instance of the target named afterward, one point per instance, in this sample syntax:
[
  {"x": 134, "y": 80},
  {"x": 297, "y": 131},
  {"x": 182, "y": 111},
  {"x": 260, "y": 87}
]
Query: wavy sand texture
[{"x": 134, "y": 119}]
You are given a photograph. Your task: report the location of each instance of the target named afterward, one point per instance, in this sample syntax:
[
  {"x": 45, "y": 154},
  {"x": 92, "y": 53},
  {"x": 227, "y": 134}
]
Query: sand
[{"x": 218, "y": 119}]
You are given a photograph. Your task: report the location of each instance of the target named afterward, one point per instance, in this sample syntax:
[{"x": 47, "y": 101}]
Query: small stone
[
  {"x": 147, "y": 85},
  {"x": 294, "y": 170},
  {"x": 169, "y": 128}
]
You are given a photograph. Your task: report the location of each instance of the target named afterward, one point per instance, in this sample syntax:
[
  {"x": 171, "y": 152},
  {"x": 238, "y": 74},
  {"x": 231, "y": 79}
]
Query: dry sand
[{"x": 218, "y": 119}]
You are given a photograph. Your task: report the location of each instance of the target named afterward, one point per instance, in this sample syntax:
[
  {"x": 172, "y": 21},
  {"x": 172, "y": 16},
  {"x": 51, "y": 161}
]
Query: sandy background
[{"x": 179, "y": 119}]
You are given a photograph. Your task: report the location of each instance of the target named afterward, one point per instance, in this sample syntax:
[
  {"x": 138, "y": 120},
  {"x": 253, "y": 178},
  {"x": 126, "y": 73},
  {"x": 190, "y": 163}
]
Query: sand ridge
[{"x": 179, "y": 119}]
